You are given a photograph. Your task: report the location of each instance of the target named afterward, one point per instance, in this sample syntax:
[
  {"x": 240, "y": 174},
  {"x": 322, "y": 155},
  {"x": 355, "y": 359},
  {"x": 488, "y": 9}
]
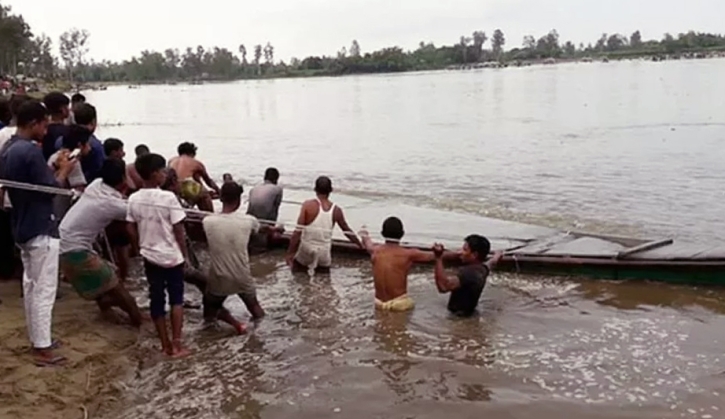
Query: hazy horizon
[{"x": 323, "y": 27}]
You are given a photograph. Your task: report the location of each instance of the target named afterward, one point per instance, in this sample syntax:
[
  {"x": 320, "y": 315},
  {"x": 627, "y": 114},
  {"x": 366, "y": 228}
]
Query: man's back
[
  {"x": 186, "y": 167},
  {"x": 156, "y": 212},
  {"x": 391, "y": 265},
  {"x": 264, "y": 202},
  {"x": 99, "y": 205},
  {"x": 228, "y": 238}
]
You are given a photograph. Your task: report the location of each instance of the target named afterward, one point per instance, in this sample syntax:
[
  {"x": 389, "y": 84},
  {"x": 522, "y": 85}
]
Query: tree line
[{"x": 24, "y": 52}]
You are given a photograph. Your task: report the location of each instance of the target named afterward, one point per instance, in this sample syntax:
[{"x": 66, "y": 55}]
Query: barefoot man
[
  {"x": 91, "y": 276},
  {"x": 310, "y": 249},
  {"x": 192, "y": 172},
  {"x": 391, "y": 265}
]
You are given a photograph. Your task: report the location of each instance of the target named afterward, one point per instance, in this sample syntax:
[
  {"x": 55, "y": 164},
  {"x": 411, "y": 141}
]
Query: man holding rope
[
  {"x": 34, "y": 225},
  {"x": 91, "y": 276}
]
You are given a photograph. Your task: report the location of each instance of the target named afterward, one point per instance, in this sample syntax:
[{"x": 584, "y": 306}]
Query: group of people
[{"x": 141, "y": 208}]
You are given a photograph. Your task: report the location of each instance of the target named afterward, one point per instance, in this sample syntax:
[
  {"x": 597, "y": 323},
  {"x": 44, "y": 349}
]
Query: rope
[{"x": 75, "y": 193}]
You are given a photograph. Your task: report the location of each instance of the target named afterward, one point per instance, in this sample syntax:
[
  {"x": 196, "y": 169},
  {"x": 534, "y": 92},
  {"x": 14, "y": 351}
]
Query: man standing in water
[
  {"x": 229, "y": 273},
  {"x": 264, "y": 203},
  {"x": 391, "y": 266},
  {"x": 310, "y": 249},
  {"x": 192, "y": 172},
  {"x": 33, "y": 224},
  {"x": 467, "y": 286}
]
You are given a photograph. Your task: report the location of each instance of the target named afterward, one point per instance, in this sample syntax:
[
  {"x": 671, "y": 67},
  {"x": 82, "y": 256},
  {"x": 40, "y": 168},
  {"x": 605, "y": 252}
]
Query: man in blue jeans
[{"x": 33, "y": 223}]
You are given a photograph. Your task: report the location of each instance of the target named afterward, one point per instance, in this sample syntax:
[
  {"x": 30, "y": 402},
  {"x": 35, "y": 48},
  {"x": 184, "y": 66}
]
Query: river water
[{"x": 632, "y": 148}]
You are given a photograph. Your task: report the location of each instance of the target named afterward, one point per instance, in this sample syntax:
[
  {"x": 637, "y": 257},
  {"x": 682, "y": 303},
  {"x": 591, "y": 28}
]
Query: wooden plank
[{"x": 644, "y": 247}]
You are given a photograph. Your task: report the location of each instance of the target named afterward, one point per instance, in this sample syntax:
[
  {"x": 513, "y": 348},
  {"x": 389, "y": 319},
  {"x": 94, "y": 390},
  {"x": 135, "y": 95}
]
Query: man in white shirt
[
  {"x": 91, "y": 276},
  {"x": 228, "y": 235},
  {"x": 156, "y": 223}
]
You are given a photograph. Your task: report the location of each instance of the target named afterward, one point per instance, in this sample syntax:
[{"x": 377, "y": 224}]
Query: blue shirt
[
  {"x": 32, "y": 212},
  {"x": 91, "y": 163}
]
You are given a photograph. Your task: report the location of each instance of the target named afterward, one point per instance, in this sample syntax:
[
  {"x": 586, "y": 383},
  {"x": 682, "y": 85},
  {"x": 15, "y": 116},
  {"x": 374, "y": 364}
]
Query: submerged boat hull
[{"x": 571, "y": 254}]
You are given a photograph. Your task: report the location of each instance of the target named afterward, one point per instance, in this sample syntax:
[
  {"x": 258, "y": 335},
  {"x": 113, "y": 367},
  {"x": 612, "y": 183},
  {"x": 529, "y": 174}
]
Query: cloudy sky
[{"x": 298, "y": 28}]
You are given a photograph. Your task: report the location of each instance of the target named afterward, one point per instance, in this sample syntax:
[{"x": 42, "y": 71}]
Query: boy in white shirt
[{"x": 156, "y": 223}]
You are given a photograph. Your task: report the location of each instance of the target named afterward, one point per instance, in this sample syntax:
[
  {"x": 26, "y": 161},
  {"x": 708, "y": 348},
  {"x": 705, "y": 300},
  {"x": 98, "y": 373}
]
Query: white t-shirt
[
  {"x": 5, "y": 134},
  {"x": 99, "y": 205},
  {"x": 228, "y": 237},
  {"x": 76, "y": 177},
  {"x": 156, "y": 211}
]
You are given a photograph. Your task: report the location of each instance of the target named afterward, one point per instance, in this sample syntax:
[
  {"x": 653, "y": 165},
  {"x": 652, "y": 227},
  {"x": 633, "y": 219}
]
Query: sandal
[{"x": 49, "y": 362}]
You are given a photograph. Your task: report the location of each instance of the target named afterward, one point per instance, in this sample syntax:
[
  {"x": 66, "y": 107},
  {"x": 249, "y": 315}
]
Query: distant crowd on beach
[{"x": 73, "y": 209}]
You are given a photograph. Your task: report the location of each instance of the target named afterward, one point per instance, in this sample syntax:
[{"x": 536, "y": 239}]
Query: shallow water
[{"x": 628, "y": 148}]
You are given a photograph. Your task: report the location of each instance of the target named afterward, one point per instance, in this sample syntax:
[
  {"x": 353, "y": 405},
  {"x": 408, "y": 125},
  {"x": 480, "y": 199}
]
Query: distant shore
[{"x": 654, "y": 57}]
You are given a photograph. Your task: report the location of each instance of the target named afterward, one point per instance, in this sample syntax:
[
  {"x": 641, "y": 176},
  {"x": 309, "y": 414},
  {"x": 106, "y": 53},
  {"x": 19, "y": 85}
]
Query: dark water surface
[{"x": 626, "y": 148}]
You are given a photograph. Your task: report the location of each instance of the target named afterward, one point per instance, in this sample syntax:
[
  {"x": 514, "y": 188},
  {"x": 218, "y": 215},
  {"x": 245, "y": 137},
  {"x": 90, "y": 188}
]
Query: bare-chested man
[
  {"x": 310, "y": 248},
  {"x": 133, "y": 179},
  {"x": 391, "y": 265},
  {"x": 192, "y": 174}
]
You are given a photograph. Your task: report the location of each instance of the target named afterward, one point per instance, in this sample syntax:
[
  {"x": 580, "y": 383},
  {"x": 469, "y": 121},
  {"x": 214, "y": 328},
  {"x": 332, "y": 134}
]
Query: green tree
[
  {"x": 569, "y": 49},
  {"x": 479, "y": 39},
  {"x": 73, "y": 49},
  {"x": 258, "y": 57},
  {"x": 355, "y": 49},
  {"x": 616, "y": 42},
  {"x": 269, "y": 54},
  {"x": 243, "y": 52},
  {"x": 497, "y": 43},
  {"x": 529, "y": 42},
  {"x": 635, "y": 41},
  {"x": 15, "y": 40}
]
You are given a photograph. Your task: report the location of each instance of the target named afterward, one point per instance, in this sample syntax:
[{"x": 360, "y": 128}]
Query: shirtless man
[
  {"x": 133, "y": 179},
  {"x": 192, "y": 172},
  {"x": 311, "y": 244},
  {"x": 391, "y": 265}
]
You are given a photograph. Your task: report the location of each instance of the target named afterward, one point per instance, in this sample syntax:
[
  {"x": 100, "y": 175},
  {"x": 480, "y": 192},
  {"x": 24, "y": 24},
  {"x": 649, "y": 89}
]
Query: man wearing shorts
[
  {"x": 91, "y": 276},
  {"x": 192, "y": 173},
  {"x": 228, "y": 235}
]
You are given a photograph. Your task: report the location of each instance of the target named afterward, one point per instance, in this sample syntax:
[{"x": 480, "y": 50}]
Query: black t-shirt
[
  {"x": 464, "y": 300},
  {"x": 55, "y": 131}
]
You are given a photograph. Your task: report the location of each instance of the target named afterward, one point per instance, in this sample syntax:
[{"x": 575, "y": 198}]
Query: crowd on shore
[{"x": 72, "y": 208}]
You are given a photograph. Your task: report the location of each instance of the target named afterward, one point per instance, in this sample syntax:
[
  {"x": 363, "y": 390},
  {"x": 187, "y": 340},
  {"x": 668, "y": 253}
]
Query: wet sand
[{"x": 100, "y": 355}]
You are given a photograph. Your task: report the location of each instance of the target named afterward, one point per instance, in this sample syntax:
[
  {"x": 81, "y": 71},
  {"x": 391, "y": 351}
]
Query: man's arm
[
  {"x": 180, "y": 235},
  {"x": 495, "y": 259},
  {"x": 294, "y": 243},
  {"x": 444, "y": 283},
  {"x": 367, "y": 241},
  {"x": 177, "y": 215},
  {"x": 207, "y": 179},
  {"x": 132, "y": 229},
  {"x": 339, "y": 217}
]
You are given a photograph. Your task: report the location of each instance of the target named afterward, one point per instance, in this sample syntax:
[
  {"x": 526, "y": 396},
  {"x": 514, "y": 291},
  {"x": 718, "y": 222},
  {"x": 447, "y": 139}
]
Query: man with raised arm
[
  {"x": 310, "y": 248},
  {"x": 192, "y": 173},
  {"x": 466, "y": 287},
  {"x": 391, "y": 266}
]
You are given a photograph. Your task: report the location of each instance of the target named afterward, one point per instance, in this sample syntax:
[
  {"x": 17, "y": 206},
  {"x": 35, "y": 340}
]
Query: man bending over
[
  {"x": 192, "y": 172},
  {"x": 91, "y": 276}
]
